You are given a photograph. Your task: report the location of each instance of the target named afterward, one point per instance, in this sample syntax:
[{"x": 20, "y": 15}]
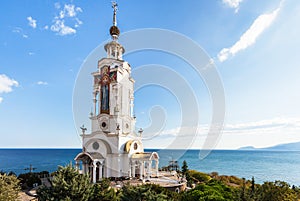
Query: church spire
[
  {"x": 113, "y": 48},
  {"x": 115, "y": 7},
  {"x": 114, "y": 30}
]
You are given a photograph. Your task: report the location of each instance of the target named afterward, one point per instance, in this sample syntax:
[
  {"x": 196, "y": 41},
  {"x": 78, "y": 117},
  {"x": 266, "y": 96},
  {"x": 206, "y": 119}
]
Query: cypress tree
[{"x": 184, "y": 168}]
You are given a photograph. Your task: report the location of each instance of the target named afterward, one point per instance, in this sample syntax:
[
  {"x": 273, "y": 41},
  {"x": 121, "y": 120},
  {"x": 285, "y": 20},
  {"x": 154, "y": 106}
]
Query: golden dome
[
  {"x": 127, "y": 146},
  {"x": 114, "y": 31}
]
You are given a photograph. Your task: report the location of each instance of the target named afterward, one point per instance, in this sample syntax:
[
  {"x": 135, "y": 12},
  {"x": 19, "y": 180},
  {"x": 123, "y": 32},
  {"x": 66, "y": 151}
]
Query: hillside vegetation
[{"x": 68, "y": 184}]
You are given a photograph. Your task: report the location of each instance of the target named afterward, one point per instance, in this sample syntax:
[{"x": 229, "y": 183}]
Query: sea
[{"x": 262, "y": 165}]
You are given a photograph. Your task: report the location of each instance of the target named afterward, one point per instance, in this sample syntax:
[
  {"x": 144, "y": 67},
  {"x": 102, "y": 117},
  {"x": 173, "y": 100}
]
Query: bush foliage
[
  {"x": 9, "y": 187},
  {"x": 199, "y": 176},
  {"x": 68, "y": 184}
]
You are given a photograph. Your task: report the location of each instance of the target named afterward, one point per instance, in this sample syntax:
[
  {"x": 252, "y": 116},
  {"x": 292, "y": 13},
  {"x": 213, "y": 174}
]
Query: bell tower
[
  {"x": 113, "y": 149},
  {"x": 113, "y": 90}
]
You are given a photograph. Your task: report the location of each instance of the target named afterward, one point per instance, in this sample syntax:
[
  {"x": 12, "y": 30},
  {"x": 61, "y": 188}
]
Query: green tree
[
  {"x": 67, "y": 184},
  {"x": 276, "y": 191},
  {"x": 185, "y": 172},
  {"x": 244, "y": 194},
  {"x": 252, "y": 185},
  {"x": 212, "y": 191},
  {"x": 9, "y": 187},
  {"x": 147, "y": 192},
  {"x": 103, "y": 191},
  {"x": 184, "y": 168}
]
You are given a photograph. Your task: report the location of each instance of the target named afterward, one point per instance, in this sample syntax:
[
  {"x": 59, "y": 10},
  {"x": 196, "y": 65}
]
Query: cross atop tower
[
  {"x": 115, "y": 7},
  {"x": 114, "y": 30}
]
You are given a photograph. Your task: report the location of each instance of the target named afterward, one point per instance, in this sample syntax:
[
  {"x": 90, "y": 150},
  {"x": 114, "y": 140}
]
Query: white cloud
[
  {"x": 261, "y": 126},
  {"x": 270, "y": 132},
  {"x": 261, "y": 134},
  {"x": 31, "y": 53},
  {"x": 250, "y": 36},
  {"x": 46, "y": 27},
  {"x": 78, "y": 23},
  {"x": 78, "y": 9},
  {"x": 69, "y": 11},
  {"x": 19, "y": 31},
  {"x": 6, "y": 85},
  {"x": 270, "y": 125},
  {"x": 62, "y": 14},
  {"x": 31, "y": 22},
  {"x": 233, "y": 4},
  {"x": 66, "y": 16},
  {"x": 42, "y": 83},
  {"x": 61, "y": 28}
]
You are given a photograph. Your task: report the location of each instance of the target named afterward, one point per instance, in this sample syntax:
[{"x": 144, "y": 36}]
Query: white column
[
  {"x": 141, "y": 170},
  {"x": 131, "y": 107},
  {"x": 129, "y": 171},
  {"x": 119, "y": 170},
  {"x": 156, "y": 168},
  {"x": 109, "y": 52},
  {"x": 83, "y": 167},
  {"x": 87, "y": 168},
  {"x": 77, "y": 165},
  {"x": 116, "y": 53},
  {"x": 95, "y": 101},
  {"x": 94, "y": 171},
  {"x": 99, "y": 100},
  {"x": 133, "y": 170},
  {"x": 100, "y": 171},
  {"x": 148, "y": 170},
  {"x": 150, "y": 167},
  {"x": 120, "y": 53}
]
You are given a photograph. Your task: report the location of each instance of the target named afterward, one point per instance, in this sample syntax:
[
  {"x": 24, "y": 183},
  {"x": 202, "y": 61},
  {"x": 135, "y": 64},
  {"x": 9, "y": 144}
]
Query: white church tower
[{"x": 113, "y": 148}]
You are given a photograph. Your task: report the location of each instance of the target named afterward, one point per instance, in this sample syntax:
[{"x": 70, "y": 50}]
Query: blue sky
[{"x": 254, "y": 45}]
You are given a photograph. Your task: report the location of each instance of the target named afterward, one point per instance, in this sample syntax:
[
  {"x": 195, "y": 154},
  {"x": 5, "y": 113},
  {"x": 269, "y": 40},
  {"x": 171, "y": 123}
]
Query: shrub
[
  {"x": 67, "y": 184},
  {"x": 103, "y": 191},
  {"x": 277, "y": 191},
  {"x": 212, "y": 191},
  {"x": 9, "y": 187},
  {"x": 199, "y": 176},
  {"x": 147, "y": 192}
]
